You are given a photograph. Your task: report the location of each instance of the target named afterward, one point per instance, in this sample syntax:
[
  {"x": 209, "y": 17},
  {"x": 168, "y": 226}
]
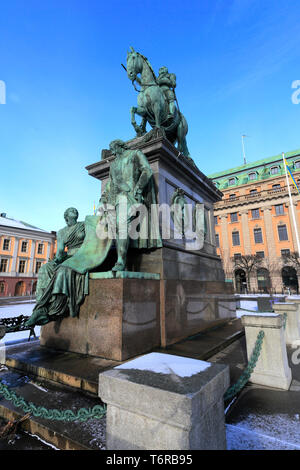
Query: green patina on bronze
[
  {"x": 130, "y": 185},
  {"x": 63, "y": 282},
  {"x": 157, "y": 103},
  {"x": 70, "y": 238},
  {"x": 181, "y": 217}
]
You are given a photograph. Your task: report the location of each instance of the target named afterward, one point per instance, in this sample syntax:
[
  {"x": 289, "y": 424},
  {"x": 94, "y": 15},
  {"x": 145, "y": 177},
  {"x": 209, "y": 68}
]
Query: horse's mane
[{"x": 149, "y": 65}]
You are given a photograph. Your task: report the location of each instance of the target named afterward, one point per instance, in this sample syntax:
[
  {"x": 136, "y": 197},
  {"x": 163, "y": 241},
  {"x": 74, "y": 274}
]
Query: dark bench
[{"x": 14, "y": 324}]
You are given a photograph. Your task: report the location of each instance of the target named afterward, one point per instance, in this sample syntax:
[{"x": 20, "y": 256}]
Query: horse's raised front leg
[{"x": 139, "y": 129}]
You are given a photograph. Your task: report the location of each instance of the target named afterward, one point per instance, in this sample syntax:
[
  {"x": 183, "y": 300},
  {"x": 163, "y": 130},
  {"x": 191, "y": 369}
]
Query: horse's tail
[{"x": 182, "y": 130}]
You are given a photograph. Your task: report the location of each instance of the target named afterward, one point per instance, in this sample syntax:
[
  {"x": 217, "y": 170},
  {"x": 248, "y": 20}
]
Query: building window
[
  {"x": 274, "y": 170},
  {"x": 6, "y": 243},
  {"x": 261, "y": 254},
  {"x": 252, "y": 192},
  {"x": 2, "y": 287},
  {"x": 255, "y": 213},
  {"x": 3, "y": 265},
  {"x": 282, "y": 232},
  {"x": 22, "y": 265},
  {"x": 279, "y": 209},
  {"x": 258, "y": 235},
  {"x": 237, "y": 256},
  {"x": 235, "y": 238},
  {"x": 285, "y": 252},
  {"x": 40, "y": 248},
  {"x": 217, "y": 240},
  {"x": 38, "y": 264},
  {"x": 297, "y": 165},
  {"x": 252, "y": 176},
  {"x": 216, "y": 219},
  {"x": 24, "y": 247},
  {"x": 263, "y": 279},
  {"x": 231, "y": 181},
  {"x": 276, "y": 187},
  {"x": 233, "y": 217}
]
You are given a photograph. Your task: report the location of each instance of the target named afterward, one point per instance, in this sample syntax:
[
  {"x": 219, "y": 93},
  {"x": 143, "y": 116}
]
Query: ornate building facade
[
  {"x": 255, "y": 217},
  {"x": 23, "y": 249}
]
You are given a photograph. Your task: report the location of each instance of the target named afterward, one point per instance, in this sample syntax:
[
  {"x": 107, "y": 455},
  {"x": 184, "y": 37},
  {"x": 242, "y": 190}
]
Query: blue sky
[{"x": 67, "y": 95}]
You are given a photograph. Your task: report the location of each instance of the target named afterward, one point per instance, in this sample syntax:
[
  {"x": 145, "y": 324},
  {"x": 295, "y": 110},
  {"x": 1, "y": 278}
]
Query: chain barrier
[
  {"x": 83, "y": 414},
  {"x": 98, "y": 411},
  {"x": 241, "y": 382}
]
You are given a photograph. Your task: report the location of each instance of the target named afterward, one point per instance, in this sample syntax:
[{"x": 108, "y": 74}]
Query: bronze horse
[{"x": 152, "y": 103}]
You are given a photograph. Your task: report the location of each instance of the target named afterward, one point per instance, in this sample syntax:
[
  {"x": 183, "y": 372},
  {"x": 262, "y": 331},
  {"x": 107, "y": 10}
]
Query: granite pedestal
[
  {"x": 118, "y": 319},
  {"x": 187, "y": 292}
]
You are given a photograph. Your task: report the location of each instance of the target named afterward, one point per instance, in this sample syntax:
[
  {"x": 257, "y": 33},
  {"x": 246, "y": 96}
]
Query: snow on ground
[
  {"x": 263, "y": 295},
  {"x": 14, "y": 310},
  {"x": 264, "y": 432}
]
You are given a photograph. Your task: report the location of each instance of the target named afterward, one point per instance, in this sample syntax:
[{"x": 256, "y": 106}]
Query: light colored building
[
  {"x": 255, "y": 217},
  {"x": 23, "y": 249}
]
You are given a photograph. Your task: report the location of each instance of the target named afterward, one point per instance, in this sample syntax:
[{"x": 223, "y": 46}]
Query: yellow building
[
  {"x": 255, "y": 217},
  {"x": 23, "y": 249}
]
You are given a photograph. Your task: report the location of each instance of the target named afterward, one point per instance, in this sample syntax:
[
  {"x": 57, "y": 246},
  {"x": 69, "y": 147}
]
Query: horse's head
[{"x": 134, "y": 64}]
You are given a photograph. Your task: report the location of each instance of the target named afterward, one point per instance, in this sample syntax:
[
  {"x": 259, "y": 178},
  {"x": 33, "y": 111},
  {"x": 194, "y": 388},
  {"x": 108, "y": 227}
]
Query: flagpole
[
  {"x": 291, "y": 204},
  {"x": 243, "y": 146}
]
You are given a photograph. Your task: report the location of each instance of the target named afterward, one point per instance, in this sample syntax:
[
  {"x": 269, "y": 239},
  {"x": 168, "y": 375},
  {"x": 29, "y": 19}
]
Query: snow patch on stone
[{"x": 167, "y": 364}]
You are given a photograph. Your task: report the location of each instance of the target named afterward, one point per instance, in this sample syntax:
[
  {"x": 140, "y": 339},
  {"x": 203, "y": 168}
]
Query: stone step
[
  {"x": 209, "y": 342},
  {"x": 81, "y": 372},
  {"x": 76, "y": 435},
  {"x": 70, "y": 369}
]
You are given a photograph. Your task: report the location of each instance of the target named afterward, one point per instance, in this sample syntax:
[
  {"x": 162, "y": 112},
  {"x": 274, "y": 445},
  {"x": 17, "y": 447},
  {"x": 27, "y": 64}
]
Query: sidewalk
[{"x": 261, "y": 418}]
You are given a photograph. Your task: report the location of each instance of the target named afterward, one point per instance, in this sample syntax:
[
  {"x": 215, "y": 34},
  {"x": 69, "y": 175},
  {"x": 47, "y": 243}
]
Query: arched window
[
  {"x": 252, "y": 176},
  {"x": 297, "y": 165},
  {"x": 2, "y": 287},
  {"x": 263, "y": 280},
  {"x": 274, "y": 170},
  {"x": 290, "y": 278},
  {"x": 20, "y": 288},
  {"x": 240, "y": 281}
]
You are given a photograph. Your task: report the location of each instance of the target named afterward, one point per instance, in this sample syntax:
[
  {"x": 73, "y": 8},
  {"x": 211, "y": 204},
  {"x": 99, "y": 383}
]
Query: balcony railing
[{"x": 246, "y": 198}]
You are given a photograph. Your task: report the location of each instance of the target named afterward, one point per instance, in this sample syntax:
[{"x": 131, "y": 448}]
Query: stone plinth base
[
  {"x": 292, "y": 327},
  {"x": 272, "y": 367},
  {"x": 118, "y": 319},
  {"x": 191, "y": 306},
  {"x": 165, "y": 402},
  {"x": 124, "y": 317}
]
